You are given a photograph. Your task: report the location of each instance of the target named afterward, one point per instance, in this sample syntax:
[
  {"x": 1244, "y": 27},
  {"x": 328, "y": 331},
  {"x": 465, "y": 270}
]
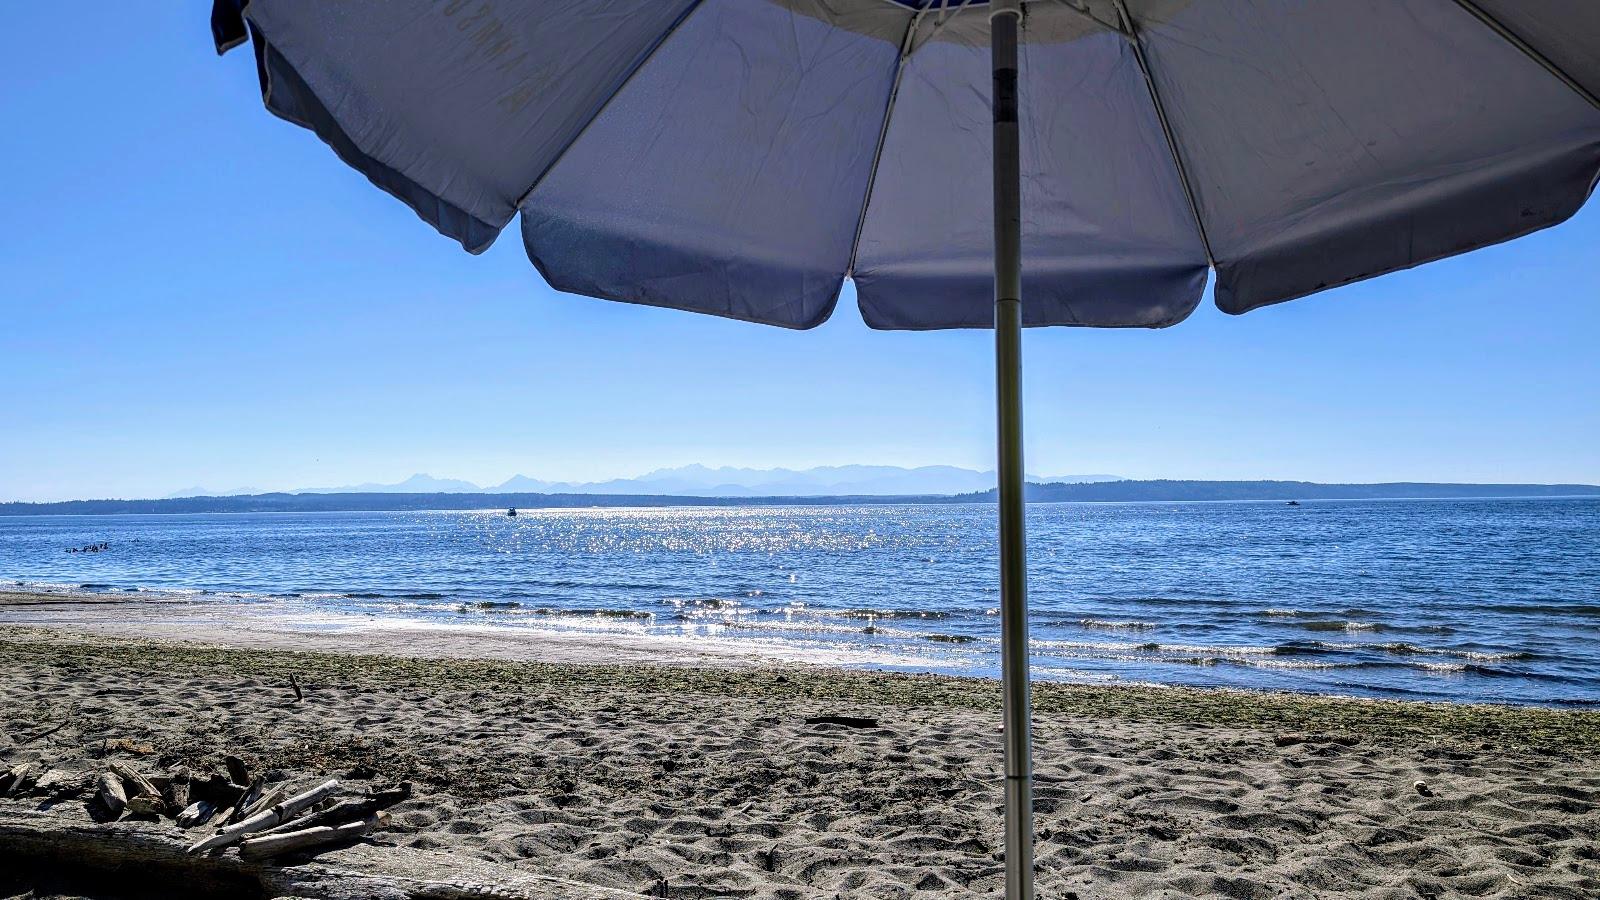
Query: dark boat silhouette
[
  {"x": 1294, "y": 502},
  {"x": 512, "y": 511}
]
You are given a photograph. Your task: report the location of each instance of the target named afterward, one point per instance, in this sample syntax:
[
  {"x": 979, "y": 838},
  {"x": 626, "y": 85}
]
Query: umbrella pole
[{"x": 1004, "y": 22}]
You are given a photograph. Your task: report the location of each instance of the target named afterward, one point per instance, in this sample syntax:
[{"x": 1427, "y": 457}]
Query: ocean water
[{"x": 1470, "y": 600}]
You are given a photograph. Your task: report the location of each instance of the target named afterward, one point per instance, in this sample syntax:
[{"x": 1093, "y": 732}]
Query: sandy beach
[{"x": 697, "y": 775}]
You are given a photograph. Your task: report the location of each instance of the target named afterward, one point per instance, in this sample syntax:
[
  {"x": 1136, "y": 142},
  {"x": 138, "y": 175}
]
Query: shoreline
[
  {"x": 445, "y": 655},
  {"x": 282, "y": 624},
  {"x": 715, "y": 781},
  {"x": 286, "y": 624}
]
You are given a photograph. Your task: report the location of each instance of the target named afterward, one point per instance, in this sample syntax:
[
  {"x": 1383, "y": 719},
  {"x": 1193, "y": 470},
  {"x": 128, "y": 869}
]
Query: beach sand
[{"x": 702, "y": 778}]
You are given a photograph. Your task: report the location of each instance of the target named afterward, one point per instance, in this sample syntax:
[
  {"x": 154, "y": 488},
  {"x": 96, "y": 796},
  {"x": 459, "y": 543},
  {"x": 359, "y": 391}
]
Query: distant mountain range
[
  {"x": 726, "y": 481},
  {"x": 1104, "y": 491}
]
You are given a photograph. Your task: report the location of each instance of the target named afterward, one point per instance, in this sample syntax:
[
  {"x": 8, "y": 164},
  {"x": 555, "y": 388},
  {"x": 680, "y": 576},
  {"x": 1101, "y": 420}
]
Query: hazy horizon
[{"x": 728, "y": 482}]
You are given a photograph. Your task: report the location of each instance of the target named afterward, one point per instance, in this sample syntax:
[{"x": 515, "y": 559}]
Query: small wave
[
  {"x": 1403, "y": 648},
  {"x": 949, "y": 638},
  {"x": 885, "y": 613},
  {"x": 703, "y": 603},
  {"x": 635, "y": 614},
  {"x": 95, "y": 586},
  {"x": 366, "y": 595},
  {"x": 1111, "y": 625},
  {"x": 1160, "y": 652},
  {"x": 1301, "y": 665},
  {"x": 1228, "y": 650},
  {"x": 1339, "y": 625},
  {"x": 421, "y": 595},
  {"x": 1515, "y": 656}
]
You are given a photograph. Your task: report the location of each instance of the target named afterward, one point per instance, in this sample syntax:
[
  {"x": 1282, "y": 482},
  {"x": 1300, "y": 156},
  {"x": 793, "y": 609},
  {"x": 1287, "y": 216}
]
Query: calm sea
[{"x": 1495, "y": 600}]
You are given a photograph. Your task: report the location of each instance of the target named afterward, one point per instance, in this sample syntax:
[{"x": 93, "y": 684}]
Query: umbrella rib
[
  {"x": 883, "y": 134},
  {"x": 1515, "y": 40},
  {"x": 1089, "y": 15},
  {"x": 1131, "y": 31},
  {"x": 600, "y": 110}
]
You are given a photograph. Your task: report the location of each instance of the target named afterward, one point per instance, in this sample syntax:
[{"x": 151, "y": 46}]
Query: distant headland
[{"x": 1161, "y": 490}]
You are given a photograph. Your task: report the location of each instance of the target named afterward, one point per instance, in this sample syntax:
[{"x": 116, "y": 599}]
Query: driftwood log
[
  {"x": 134, "y": 782},
  {"x": 60, "y": 840},
  {"x": 267, "y": 818},
  {"x": 57, "y": 783},
  {"x": 269, "y": 845},
  {"x": 146, "y": 805},
  {"x": 247, "y": 800},
  {"x": 111, "y": 794},
  {"x": 195, "y": 814},
  {"x": 143, "y": 797},
  {"x": 17, "y": 779},
  {"x": 348, "y": 810},
  {"x": 237, "y": 772},
  {"x": 176, "y": 796},
  {"x": 273, "y": 799}
]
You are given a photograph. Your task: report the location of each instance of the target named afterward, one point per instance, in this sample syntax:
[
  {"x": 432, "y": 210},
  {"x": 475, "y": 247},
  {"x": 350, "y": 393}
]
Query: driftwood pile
[{"x": 263, "y": 821}]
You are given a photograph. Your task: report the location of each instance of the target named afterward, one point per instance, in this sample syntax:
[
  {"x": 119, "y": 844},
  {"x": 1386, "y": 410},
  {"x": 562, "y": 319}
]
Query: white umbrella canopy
[{"x": 744, "y": 157}]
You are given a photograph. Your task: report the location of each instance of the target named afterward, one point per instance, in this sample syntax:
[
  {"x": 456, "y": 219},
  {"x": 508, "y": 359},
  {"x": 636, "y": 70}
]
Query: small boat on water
[
  {"x": 512, "y": 512},
  {"x": 1291, "y": 503}
]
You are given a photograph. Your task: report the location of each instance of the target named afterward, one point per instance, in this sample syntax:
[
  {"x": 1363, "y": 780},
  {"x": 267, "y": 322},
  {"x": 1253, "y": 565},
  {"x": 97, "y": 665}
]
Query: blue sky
[{"x": 197, "y": 293}]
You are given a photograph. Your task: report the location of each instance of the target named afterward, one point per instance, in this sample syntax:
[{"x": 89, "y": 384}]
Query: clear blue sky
[{"x": 196, "y": 293}]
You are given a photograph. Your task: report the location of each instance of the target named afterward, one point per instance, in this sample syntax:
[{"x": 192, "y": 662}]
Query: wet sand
[{"x": 702, "y": 774}]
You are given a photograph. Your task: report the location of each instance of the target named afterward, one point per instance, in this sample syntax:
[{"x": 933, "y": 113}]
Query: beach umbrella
[{"x": 966, "y": 164}]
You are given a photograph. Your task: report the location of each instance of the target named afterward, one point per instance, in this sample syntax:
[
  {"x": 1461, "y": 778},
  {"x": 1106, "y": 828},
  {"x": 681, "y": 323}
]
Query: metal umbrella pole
[{"x": 1004, "y": 22}]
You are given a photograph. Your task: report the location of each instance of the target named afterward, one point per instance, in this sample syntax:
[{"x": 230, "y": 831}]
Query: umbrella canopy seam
[
  {"x": 1527, "y": 49},
  {"x": 883, "y": 133},
  {"x": 600, "y": 108},
  {"x": 1131, "y": 31},
  {"x": 1089, "y": 14}
]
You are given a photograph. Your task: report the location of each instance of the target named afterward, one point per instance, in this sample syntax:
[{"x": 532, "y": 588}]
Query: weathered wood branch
[
  {"x": 146, "y": 804},
  {"x": 13, "y": 781},
  {"x": 248, "y": 799},
  {"x": 270, "y": 845},
  {"x": 59, "y": 782},
  {"x": 45, "y": 733},
  {"x": 133, "y": 781},
  {"x": 196, "y": 814},
  {"x": 143, "y": 797},
  {"x": 349, "y": 810},
  {"x": 278, "y": 812},
  {"x": 272, "y": 799},
  {"x": 111, "y": 794}
]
